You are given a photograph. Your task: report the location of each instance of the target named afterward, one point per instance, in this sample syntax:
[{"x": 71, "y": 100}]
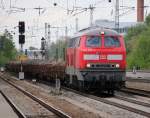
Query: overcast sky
[{"x": 57, "y": 16}]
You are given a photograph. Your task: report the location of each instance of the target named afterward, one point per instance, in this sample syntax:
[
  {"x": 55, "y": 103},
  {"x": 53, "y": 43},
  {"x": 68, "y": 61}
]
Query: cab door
[{"x": 70, "y": 56}]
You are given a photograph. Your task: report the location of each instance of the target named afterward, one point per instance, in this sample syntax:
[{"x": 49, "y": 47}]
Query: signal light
[
  {"x": 21, "y": 27},
  {"x": 43, "y": 38},
  {"x": 21, "y": 39},
  {"x": 42, "y": 44},
  {"x": 55, "y": 4}
]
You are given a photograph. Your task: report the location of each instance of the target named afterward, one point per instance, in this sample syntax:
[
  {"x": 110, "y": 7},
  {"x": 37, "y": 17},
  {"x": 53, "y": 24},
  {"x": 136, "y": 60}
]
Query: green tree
[
  {"x": 57, "y": 49},
  {"x": 7, "y": 48},
  {"x": 147, "y": 21},
  {"x": 138, "y": 45}
]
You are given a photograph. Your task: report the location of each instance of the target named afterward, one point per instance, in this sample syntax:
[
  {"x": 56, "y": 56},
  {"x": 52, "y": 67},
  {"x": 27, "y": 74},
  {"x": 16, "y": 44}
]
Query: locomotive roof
[{"x": 96, "y": 31}]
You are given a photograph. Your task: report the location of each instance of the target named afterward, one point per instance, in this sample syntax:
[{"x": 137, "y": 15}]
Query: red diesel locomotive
[{"x": 96, "y": 59}]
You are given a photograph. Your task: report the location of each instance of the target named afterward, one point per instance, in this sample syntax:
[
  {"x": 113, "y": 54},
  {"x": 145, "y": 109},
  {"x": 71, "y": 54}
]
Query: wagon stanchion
[{"x": 21, "y": 73}]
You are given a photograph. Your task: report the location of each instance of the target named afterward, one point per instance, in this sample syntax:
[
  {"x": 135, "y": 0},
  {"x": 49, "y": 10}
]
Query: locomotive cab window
[
  {"x": 93, "y": 41},
  {"x": 111, "y": 41}
]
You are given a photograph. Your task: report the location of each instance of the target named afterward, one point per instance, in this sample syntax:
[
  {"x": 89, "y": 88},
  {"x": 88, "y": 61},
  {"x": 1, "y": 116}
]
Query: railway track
[
  {"x": 116, "y": 96},
  {"x": 57, "y": 112},
  {"x": 132, "y": 101},
  {"x": 137, "y": 111},
  {"x": 104, "y": 100},
  {"x": 113, "y": 103},
  {"x": 136, "y": 92},
  {"x": 17, "y": 111}
]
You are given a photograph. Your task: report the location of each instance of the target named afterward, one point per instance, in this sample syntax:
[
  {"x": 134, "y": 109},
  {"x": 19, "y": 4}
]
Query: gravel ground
[
  {"x": 29, "y": 107},
  {"x": 138, "y": 75},
  {"x": 106, "y": 110},
  {"x": 6, "y": 110},
  {"x": 87, "y": 106},
  {"x": 138, "y": 85}
]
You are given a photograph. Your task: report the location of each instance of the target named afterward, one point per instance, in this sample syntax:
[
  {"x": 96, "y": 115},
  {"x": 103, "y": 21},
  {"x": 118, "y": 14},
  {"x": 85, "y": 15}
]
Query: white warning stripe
[{"x": 114, "y": 57}]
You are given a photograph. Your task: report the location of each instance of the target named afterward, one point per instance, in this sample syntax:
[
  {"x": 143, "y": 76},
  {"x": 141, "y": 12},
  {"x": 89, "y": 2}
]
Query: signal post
[{"x": 21, "y": 42}]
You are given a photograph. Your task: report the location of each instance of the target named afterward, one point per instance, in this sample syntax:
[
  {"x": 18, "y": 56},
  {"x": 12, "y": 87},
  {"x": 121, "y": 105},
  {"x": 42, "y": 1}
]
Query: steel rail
[
  {"x": 133, "y": 101},
  {"x": 13, "y": 106},
  {"x": 56, "y": 111},
  {"x": 143, "y": 80},
  {"x": 136, "y": 91}
]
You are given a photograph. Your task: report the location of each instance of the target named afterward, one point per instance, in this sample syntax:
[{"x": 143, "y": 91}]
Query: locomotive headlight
[
  {"x": 88, "y": 65},
  {"x": 117, "y": 65}
]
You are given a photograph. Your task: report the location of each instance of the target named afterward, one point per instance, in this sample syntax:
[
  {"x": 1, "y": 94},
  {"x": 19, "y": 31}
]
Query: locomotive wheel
[{"x": 66, "y": 80}]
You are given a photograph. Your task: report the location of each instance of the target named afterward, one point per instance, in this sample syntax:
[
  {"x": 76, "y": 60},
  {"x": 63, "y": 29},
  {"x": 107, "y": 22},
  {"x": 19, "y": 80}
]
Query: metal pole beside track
[{"x": 57, "y": 85}]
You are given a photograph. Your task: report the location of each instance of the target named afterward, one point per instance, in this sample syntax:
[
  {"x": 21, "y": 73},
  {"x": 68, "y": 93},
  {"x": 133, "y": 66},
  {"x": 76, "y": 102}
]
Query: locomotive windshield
[
  {"x": 111, "y": 41},
  {"x": 93, "y": 41}
]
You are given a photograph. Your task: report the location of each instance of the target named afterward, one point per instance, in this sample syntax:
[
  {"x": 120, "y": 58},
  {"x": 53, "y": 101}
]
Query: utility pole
[
  {"x": 46, "y": 39},
  {"x": 76, "y": 20},
  {"x": 67, "y": 8},
  {"x": 91, "y": 14},
  {"x": 46, "y": 25},
  {"x": 48, "y": 35},
  {"x": 57, "y": 49},
  {"x": 39, "y": 8},
  {"x": 66, "y": 31},
  {"x": 117, "y": 15},
  {"x": 57, "y": 33},
  {"x": 10, "y": 4}
]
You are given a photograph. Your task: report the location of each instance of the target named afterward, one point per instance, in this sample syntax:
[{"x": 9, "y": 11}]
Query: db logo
[{"x": 103, "y": 56}]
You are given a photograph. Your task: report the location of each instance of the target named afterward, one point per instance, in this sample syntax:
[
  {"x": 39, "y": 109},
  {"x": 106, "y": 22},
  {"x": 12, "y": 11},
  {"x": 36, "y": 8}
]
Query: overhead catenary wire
[{"x": 73, "y": 9}]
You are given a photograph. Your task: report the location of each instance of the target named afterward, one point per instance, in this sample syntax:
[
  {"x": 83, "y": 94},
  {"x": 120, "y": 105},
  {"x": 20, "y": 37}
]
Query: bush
[
  {"x": 7, "y": 48},
  {"x": 138, "y": 45}
]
